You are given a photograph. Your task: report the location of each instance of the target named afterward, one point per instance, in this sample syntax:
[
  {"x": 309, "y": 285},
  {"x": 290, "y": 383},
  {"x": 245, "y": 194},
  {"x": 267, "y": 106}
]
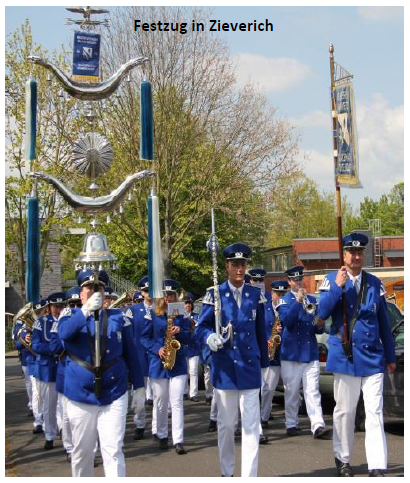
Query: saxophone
[
  {"x": 275, "y": 339},
  {"x": 171, "y": 345}
]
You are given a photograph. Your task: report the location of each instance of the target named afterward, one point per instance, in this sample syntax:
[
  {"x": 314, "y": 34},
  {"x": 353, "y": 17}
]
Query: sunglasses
[{"x": 73, "y": 305}]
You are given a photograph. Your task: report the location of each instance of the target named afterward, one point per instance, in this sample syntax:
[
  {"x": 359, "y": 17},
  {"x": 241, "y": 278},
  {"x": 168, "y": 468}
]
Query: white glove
[
  {"x": 92, "y": 304},
  {"x": 215, "y": 342},
  {"x": 138, "y": 399}
]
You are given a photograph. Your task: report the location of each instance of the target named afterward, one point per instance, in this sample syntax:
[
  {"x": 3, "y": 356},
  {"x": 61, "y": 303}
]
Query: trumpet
[
  {"x": 125, "y": 298},
  {"x": 308, "y": 306}
]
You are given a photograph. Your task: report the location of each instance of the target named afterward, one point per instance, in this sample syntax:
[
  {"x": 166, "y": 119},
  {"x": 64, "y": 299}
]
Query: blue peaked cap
[
  {"x": 355, "y": 241},
  {"x": 237, "y": 251},
  {"x": 57, "y": 298},
  {"x": 40, "y": 305},
  {"x": 257, "y": 273},
  {"x": 137, "y": 296},
  {"x": 86, "y": 277},
  {"x": 295, "y": 272},
  {"x": 280, "y": 286},
  {"x": 170, "y": 285},
  {"x": 143, "y": 282},
  {"x": 73, "y": 294}
]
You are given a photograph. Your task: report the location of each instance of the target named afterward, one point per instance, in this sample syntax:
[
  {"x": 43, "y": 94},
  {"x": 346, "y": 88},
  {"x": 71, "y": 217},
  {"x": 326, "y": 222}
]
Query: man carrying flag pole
[{"x": 361, "y": 346}]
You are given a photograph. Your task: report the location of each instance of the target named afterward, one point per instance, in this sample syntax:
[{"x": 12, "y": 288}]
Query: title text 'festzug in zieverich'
[{"x": 194, "y": 26}]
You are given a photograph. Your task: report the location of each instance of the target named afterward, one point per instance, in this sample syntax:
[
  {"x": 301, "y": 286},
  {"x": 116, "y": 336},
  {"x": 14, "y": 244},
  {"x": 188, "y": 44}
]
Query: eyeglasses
[{"x": 73, "y": 305}]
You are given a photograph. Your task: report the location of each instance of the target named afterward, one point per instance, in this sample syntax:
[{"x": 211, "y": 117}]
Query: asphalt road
[{"x": 283, "y": 456}]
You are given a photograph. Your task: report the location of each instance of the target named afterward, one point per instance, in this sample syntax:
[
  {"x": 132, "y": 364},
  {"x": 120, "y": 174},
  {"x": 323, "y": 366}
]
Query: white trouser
[
  {"x": 139, "y": 416},
  {"x": 172, "y": 390},
  {"x": 209, "y": 390},
  {"x": 59, "y": 412},
  {"x": 193, "y": 363},
  {"x": 293, "y": 373},
  {"x": 29, "y": 389},
  {"x": 214, "y": 408},
  {"x": 148, "y": 389},
  {"x": 227, "y": 401},
  {"x": 48, "y": 395},
  {"x": 347, "y": 392},
  {"x": 66, "y": 435},
  {"x": 270, "y": 379},
  {"x": 37, "y": 402},
  {"x": 89, "y": 421}
]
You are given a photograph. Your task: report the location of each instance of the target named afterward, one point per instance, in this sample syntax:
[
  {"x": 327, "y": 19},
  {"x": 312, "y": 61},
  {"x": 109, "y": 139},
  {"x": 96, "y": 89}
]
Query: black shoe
[
  {"x": 155, "y": 437},
  {"x": 60, "y": 434},
  {"x": 185, "y": 397},
  {"x": 194, "y": 398},
  {"x": 38, "y": 430},
  {"x": 271, "y": 418},
  {"x": 292, "y": 431},
  {"x": 163, "y": 443},
  {"x": 208, "y": 401},
  {"x": 49, "y": 445},
  {"x": 343, "y": 469},
  {"x": 68, "y": 457},
  {"x": 179, "y": 449},
  {"x": 321, "y": 433},
  {"x": 263, "y": 439},
  {"x": 212, "y": 426},
  {"x": 150, "y": 402},
  {"x": 376, "y": 473},
  {"x": 30, "y": 413},
  {"x": 139, "y": 433},
  {"x": 238, "y": 433},
  {"x": 264, "y": 424}
]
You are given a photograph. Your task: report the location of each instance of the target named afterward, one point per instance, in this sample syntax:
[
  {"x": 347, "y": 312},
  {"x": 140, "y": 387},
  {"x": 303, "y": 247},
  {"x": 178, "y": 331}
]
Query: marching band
[{"x": 263, "y": 335}]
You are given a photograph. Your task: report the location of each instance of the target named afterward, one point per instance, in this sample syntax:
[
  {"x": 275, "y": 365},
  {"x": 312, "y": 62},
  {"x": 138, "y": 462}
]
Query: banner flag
[
  {"x": 347, "y": 168},
  {"x": 86, "y": 57}
]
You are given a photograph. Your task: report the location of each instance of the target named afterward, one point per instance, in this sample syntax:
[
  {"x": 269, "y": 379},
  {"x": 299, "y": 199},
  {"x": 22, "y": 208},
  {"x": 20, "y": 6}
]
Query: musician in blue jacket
[
  {"x": 93, "y": 415},
  {"x": 136, "y": 313},
  {"x": 271, "y": 375},
  {"x": 47, "y": 365},
  {"x": 237, "y": 355},
  {"x": 300, "y": 355},
  {"x": 73, "y": 301},
  {"x": 372, "y": 353},
  {"x": 167, "y": 384}
]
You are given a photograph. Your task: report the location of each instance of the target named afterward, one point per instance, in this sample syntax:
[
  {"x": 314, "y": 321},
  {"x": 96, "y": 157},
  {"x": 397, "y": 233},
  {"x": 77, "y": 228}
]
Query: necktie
[
  {"x": 237, "y": 296},
  {"x": 357, "y": 285}
]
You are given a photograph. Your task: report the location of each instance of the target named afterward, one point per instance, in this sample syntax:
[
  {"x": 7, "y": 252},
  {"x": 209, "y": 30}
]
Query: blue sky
[{"x": 291, "y": 65}]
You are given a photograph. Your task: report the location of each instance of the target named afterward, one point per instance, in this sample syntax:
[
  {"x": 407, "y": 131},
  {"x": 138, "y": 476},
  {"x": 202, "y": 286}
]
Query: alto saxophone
[
  {"x": 171, "y": 345},
  {"x": 275, "y": 339}
]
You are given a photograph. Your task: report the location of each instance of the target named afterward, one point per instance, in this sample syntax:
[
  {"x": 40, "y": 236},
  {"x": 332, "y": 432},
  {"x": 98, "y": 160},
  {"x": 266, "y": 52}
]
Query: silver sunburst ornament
[{"x": 92, "y": 155}]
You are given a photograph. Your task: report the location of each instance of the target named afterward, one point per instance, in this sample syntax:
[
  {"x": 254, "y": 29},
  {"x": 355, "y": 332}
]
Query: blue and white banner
[
  {"x": 86, "y": 57},
  {"x": 347, "y": 169}
]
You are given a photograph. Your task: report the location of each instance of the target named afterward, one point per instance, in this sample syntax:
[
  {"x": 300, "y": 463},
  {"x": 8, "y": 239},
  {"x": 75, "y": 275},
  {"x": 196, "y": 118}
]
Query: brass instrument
[
  {"x": 28, "y": 316},
  {"x": 124, "y": 298},
  {"x": 275, "y": 339},
  {"x": 308, "y": 306},
  {"x": 171, "y": 345}
]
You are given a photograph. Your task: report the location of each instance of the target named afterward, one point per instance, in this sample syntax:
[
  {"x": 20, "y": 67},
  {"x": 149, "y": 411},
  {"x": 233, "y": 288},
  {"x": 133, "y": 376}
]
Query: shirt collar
[
  {"x": 358, "y": 277},
  {"x": 232, "y": 288}
]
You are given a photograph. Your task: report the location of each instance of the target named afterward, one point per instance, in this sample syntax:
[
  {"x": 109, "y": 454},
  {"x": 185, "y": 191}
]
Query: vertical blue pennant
[
  {"x": 150, "y": 249},
  {"x": 31, "y": 119},
  {"x": 146, "y": 122},
  {"x": 33, "y": 252}
]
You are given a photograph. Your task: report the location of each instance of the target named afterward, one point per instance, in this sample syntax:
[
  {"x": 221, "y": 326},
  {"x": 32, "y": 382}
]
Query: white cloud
[
  {"x": 381, "y": 14},
  {"x": 381, "y": 151},
  {"x": 270, "y": 74},
  {"x": 315, "y": 118}
]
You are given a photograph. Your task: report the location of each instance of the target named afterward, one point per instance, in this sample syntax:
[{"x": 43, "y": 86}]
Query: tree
[
  {"x": 300, "y": 210},
  {"x": 215, "y": 145},
  {"x": 389, "y": 209}
]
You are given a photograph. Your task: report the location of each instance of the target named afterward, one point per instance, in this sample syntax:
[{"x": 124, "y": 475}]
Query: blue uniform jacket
[
  {"x": 58, "y": 348},
  {"x": 74, "y": 330},
  {"x": 298, "y": 330},
  {"x": 136, "y": 313},
  {"x": 372, "y": 341},
  {"x": 194, "y": 347},
  {"x": 153, "y": 338},
  {"x": 238, "y": 364},
  {"x": 40, "y": 343}
]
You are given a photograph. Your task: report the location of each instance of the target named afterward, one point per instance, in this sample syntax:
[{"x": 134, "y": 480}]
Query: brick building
[{"x": 384, "y": 257}]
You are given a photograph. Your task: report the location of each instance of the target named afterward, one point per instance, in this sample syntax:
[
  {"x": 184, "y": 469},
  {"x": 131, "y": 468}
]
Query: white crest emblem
[
  {"x": 238, "y": 254},
  {"x": 254, "y": 314},
  {"x": 246, "y": 294},
  {"x": 356, "y": 243}
]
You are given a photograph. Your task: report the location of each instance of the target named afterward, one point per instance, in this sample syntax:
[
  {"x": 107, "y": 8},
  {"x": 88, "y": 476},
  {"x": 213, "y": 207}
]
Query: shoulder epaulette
[
  {"x": 280, "y": 302},
  {"x": 208, "y": 298},
  {"x": 148, "y": 314},
  {"x": 66, "y": 312},
  {"x": 325, "y": 286},
  {"x": 37, "y": 325},
  {"x": 262, "y": 299},
  {"x": 126, "y": 320},
  {"x": 128, "y": 313},
  {"x": 54, "y": 327},
  {"x": 382, "y": 289}
]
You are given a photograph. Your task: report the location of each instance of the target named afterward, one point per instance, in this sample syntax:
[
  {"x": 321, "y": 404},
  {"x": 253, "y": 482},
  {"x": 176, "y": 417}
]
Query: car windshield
[{"x": 395, "y": 316}]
